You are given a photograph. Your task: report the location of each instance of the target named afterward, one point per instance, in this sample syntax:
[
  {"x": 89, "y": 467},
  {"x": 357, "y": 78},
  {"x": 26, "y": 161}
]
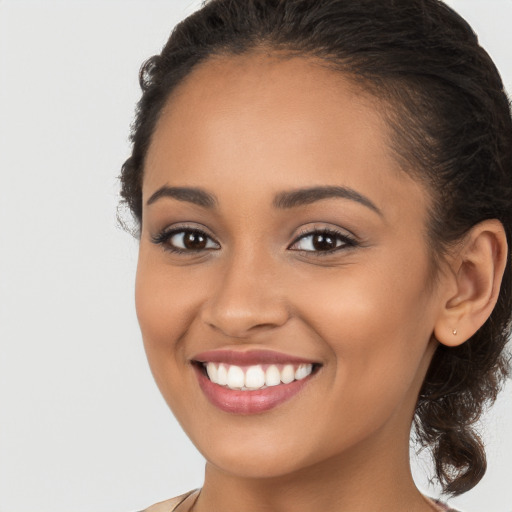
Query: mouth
[
  {"x": 251, "y": 382},
  {"x": 254, "y": 377}
]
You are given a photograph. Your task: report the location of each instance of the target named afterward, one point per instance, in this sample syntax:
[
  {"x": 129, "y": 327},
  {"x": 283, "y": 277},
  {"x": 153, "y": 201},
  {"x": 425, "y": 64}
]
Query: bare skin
[{"x": 245, "y": 130}]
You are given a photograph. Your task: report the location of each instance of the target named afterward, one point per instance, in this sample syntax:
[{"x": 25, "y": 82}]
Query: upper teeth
[{"x": 255, "y": 377}]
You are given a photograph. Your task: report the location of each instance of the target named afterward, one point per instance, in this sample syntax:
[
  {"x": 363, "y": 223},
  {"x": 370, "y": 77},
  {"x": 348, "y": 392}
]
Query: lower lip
[{"x": 248, "y": 402}]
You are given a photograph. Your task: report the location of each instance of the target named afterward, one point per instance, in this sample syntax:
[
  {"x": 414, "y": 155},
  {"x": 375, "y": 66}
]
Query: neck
[{"x": 364, "y": 479}]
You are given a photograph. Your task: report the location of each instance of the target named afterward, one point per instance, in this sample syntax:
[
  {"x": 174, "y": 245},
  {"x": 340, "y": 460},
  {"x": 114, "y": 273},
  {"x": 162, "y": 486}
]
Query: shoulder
[
  {"x": 443, "y": 507},
  {"x": 168, "y": 505}
]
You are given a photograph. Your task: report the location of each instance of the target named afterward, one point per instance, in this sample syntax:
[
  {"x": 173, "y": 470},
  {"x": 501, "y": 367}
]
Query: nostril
[
  {"x": 242, "y": 323},
  {"x": 243, "y": 300}
]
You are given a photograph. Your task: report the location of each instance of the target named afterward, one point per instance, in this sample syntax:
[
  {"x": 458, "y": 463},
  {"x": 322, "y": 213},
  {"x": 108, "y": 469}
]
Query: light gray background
[{"x": 82, "y": 426}]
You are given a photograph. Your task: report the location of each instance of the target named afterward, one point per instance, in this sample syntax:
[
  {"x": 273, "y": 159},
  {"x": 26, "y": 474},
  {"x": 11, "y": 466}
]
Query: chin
[
  {"x": 255, "y": 456},
  {"x": 255, "y": 467}
]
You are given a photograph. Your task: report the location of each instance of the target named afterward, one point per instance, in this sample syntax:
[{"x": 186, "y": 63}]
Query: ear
[{"x": 472, "y": 286}]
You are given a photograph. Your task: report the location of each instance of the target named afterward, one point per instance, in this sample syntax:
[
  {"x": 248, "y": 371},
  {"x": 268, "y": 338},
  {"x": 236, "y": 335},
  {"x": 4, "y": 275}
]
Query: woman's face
[{"x": 281, "y": 241}]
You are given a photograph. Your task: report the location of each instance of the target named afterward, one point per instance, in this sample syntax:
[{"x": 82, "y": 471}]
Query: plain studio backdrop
[{"x": 82, "y": 425}]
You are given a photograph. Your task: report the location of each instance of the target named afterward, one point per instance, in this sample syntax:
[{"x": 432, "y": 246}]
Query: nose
[{"x": 245, "y": 299}]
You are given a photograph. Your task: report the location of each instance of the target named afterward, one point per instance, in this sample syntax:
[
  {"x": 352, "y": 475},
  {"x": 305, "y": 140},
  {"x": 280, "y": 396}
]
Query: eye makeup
[
  {"x": 184, "y": 239},
  {"x": 322, "y": 241}
]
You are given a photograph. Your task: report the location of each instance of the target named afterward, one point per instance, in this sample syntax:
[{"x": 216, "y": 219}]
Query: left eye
[{"x": 322, "y": 241}]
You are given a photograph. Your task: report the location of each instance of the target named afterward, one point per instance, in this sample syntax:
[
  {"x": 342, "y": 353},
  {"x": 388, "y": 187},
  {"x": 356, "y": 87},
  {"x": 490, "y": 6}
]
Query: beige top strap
[{"x": 170, "y": 505}]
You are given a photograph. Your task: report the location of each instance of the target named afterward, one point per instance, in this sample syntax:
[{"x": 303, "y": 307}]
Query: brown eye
[
  {"x": 190, "y": 240},
  {"x": 323, "y": 241},
  {"x": 185, "y": 240},
  {"x": 194, "y": 241}
]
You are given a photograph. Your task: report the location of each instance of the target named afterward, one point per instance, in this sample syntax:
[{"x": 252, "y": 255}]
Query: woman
[{"x": 324, "y": 197}]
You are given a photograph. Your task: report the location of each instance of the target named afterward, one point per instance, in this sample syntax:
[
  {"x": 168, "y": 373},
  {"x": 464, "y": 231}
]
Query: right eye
[{"x": 183, "y": 240}]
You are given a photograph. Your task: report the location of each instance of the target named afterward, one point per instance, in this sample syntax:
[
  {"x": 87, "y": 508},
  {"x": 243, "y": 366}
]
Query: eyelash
[
  {"x": 163, "y": 239},
  {"x": 347, "y": 241}
]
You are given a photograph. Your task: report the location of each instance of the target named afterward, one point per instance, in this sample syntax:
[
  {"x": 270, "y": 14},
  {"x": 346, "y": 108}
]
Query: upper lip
[{"x": 249, "y": 357}]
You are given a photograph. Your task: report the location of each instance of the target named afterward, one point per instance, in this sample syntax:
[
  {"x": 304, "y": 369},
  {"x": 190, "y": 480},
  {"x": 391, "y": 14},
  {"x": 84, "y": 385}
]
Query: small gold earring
[{"x": 454, "y": 332}]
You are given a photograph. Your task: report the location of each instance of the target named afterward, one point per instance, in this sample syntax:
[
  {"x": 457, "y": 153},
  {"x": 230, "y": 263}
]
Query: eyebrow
[
  {"x": 189, "y": 194},
  {"x": 283, "y": 200},
  {"x": 306, "y": 196}
]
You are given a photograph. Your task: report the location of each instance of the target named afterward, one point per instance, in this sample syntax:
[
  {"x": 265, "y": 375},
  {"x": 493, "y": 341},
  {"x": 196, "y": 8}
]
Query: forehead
[
  {"x": 295, "y": 91},
  {"x": 264, "y": 78},
  {"x": 267, "y": 122}
]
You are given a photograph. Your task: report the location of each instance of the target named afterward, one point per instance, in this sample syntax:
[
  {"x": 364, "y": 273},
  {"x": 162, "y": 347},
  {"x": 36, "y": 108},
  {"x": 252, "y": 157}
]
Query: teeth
[
  {"x": 303, "y": 371},
  {"x": 212, "y": 372},
  {"x": 288, "y": 374},
  {"x": 254, "y": 377},
  {"x": 236, "y": 377},
  {"x": 272, "y": 376},
  {"x": 222, "y": 375}
]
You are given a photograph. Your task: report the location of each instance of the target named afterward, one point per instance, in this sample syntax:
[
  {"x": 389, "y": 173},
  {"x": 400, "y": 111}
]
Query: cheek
[
  {"x": 164, "y": 305},
  {"x": 166, "y": 297},
  {"x": 375, "y": 323}
]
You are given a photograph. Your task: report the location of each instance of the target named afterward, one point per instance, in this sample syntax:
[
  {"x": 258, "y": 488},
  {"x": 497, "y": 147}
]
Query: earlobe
[{"x": 477, "y": 269}]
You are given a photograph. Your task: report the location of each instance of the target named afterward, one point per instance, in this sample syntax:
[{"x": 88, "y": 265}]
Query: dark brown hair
[{"x": 452, "y": 129}]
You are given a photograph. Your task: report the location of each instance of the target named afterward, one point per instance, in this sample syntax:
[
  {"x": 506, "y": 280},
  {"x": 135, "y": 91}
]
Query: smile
[
  {"x": 250, "y": 378},
  {"x": 251, "y": 382}
]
